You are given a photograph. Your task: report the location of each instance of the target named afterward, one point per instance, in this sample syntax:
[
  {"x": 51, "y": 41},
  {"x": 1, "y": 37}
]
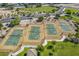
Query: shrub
[
  {"x": 50, "y": 54},
  {"x": 66, "y": 40},
  {"x": 38, "y": 53},
  {"x": 25, "y": 54},
  {"x": 53, "y": 42},
  {"x": 50, "y": 47},
  {"x": 53, "y": 50},
  {"x": 40, "y": 19},
  {"x": 40, "y": 48},
  {"x": 15, "y": 22}
]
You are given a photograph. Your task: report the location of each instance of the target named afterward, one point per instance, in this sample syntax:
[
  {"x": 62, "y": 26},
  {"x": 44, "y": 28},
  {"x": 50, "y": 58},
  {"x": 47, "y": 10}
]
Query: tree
[
  {"x": 68, "y": 12},
  {"x": 40, "y": 19},
  {"x": 4, "y": 5},
  {"x": 17, "y": 9},
  {"x": 53, "y": 10},
  {"x": 77, "y": 35},
  {"x": 70, "y": 35},
  {"x": 4, "y": 28},
  {"x": 39, "y": 5},
  {"x": 57, "y": 16},
  {"x": 7, "y": 6},
  {"x": 38, "y": 53},
  {"x": 15, "y": 22},
  {"x": 10, "y": 7},
  {"x": 77, "y": 14},
  {"x": 25, "y": 54},
  {"x": 1, "y": 25},
  {"x": 53, "y": 42},
  {"x": 50, "y": 54},
  {"x": 40, "y": 48},
  {"x": 1, "y": 16},
  {"x": 50, "y": 47},
  {"x": 67, "y": 40},
  {"x": 26, "y": 5}
]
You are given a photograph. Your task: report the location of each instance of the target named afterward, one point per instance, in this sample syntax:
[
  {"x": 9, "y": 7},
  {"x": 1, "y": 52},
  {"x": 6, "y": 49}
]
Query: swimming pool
[
  {"x": 65, "y": 26},
  {"x": 14, "y": 37},
  {"x": 51, "y": 30},
  {"x": 34, "y": 33}
]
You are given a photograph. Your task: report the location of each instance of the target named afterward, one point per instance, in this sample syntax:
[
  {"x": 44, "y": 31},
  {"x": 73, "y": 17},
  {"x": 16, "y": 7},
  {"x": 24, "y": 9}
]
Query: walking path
[
  {"x": 62, "y": 39},
  {"x": 21, "y": 49},
  {"x": 32, "y": 52}
]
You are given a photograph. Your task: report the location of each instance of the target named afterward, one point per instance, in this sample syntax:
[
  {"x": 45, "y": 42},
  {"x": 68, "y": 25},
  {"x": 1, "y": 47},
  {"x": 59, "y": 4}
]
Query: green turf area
[
  {"x": 72, "y": 13},
  {"x": 60, "y": 49},
  {"x": 66, "y": 49},
  {"x": 4, "y": 54},
  {"x": 75, "y": 18},
  {"x": 14, "y": 37},
  {"x": 34, "y": 33},
  {"x": 44, "y": 51},
  {"x": 72, "y": 10},
  {"x": 45, "y": 9},
  {"x": 63, "y": 17},
  {"x": 51, "y": 29},
  {"x": 23, "y": 52}
]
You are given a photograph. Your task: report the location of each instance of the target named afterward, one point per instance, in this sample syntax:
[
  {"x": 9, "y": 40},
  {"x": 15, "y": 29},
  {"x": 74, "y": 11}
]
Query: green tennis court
[
  {"x": 14, "y": 37},
  {"x": 65, "y": 26},
  {"x": 34, "y": 33},
  {"x": 51, "y": 30}
]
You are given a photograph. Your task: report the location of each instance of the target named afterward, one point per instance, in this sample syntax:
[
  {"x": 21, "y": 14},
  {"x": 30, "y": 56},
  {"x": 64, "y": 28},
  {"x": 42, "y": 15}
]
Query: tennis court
[
  {"x": 34, "y": 33},
  {"x": 51, "y": 29},
  {"x": 14, "y": 37},
  {"x": 65, "y": 26}
]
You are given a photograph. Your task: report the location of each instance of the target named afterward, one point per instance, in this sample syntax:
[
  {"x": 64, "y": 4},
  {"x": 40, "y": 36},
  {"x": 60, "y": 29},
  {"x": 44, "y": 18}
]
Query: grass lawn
[
  {"x": 23, "y": 52},
  {"x": 4, "y": 54},
  {"x": 63, "y": 17},
  {"x": 46, "y": 51},
  {"x": 66, "y": 49},
  {"x": 72, "y": 10},
  {"x": 45, "y": 9},
  {"x": 61, "y": 49},
  {"x": 75, "y": 18}
]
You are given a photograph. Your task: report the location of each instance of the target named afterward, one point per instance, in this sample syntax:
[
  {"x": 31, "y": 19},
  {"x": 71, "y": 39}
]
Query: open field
[
  {"x": 73, "y": 15},
  {"x": 45, "y": 9},
  {"x": 66, "y": 49},
  {"x": 60, "y": 49},
  {"x": 75, "y": 18},
  {"x": 72, "y": 10}
]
